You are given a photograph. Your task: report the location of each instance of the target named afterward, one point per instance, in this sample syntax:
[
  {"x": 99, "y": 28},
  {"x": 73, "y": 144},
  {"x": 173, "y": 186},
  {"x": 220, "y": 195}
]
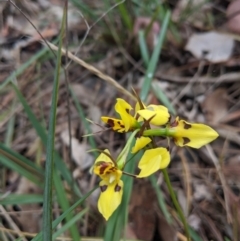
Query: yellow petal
[
  {"x": 103, "y": 157},
  {"x": 141, "y": 143},
  {"x": 192, "y": 134},
  {"x": 110, "y": 197},
  {"x": 160, "y": 113},
  {"x": 153, "y": 160},
  {"x": 123, "y": 109},
  {"x": 115, "y": 124}
]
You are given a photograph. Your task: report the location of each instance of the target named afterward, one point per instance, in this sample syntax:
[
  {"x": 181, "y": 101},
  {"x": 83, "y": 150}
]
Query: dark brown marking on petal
[
  {"x": 110, "y": 122},
  {"x": 117, "y": 188},
  {"x": 103, "y": 188},
  {"x": 186, "y": 140},
  {"x": 119, "y": 122},
  {"x": 122, "y": 126},
  {"x": 104, "y": 165},
  {"x": 127, "y": 110},
  {"x": 99, "y": 163},
  {"x": 187, "y": 126}
]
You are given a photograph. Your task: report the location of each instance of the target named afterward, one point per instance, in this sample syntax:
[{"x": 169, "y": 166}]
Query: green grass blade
[
  {"x": 18, "y": 199},
  {"x": 68, "y": 225},
  {"x": 143, "y": 47},
  {"x": 154, "y": 58},
  {"x": 125, "y": 14},
  {"x": 23, "y": 67},
  {"x": 19, "y": 169},
  {"x": 47, "y": 197},
  {"x": 21, "y": 160},
  {"x": 42, "y": 134},
  {"x": 63, "y": 201},
  {"x": 65, "y": 214},
  {"x": 160, "y": 198}
]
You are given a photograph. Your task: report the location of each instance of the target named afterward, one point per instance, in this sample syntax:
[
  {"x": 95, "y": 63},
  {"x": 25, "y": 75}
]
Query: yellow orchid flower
[
  {"x": 159, "y": 113},
  {"x": 111, "y": 185},
  {"x": 194, "y": 135},
  {"x": 127, "y": 121},
  {"x": 153, "y": 160}
]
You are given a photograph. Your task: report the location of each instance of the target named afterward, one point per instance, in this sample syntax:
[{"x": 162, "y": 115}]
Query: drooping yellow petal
[
  {"x": 153, "y": 160},
  {"x": 194, "y": 135},
  {"x": 160, "y": 113},
  {"x": 103, "y": 157},
  {"x": 123, "y": 109},
  {"x": 141, "y": 142},
  {"x": 110, "y": 197},
  {"x": 115, "y": 124}
]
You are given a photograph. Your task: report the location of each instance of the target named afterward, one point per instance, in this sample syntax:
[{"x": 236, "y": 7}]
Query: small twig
[
  {"x": 11, "y": 222},
  {"x": 95, "y": 71}
]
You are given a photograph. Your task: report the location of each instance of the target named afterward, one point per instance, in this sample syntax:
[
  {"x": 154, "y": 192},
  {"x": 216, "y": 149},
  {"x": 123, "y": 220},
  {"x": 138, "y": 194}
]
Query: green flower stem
[
  {"x": 160, "y": 132},
  {"x": 176, "y": 204}
]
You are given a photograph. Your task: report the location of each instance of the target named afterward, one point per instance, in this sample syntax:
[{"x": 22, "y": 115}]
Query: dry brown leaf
[
  {"x": 29, "y": 221},
  {"x": 142, "y": 214},
  {"x": 215, "y": 105},
  {"x": 212, "y": 46},
  {"x": 79, "y": 151},
  {"x": 166, "y": 231}
]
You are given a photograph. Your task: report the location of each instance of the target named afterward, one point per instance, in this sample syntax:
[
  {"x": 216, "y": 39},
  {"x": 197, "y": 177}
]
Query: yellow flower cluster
[{"x": 183, "y": 133}]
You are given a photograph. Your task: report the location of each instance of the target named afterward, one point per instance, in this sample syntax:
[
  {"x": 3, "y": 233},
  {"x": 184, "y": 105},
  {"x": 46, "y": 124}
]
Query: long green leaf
[
  {"x": 65, "y": 214},
  {"x": 67, "y": 225},
  {"x": 20, "y": 199},
  {"x": 154, "y": 58},
  {"x": 21, "y": 170},
  {"x": 47, "y": 197},
  {"x": 42, "y": 134}
]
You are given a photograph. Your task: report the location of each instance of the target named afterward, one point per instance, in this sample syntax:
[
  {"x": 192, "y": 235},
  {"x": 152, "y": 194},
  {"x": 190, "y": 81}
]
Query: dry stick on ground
[
  {"x": 225, "y": 78},
  {"x": 95, "y": 71},
  {"x": 11, "y": 222},
  {"x": 222, "y": 179}
]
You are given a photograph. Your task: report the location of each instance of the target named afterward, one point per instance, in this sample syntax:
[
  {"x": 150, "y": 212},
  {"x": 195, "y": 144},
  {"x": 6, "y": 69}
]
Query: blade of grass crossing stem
[
  {"x": 118, "y": 220},
  {"x": 160, "y": 198},
  {"x": 64, "y": 214},
  {"x": 84, "y": 121},
  {"x": 42, "y": 134},
  {"x": 67, "y": 225},
  {"x": 50, "y": 175},
  {"x": 63, "y": 201},
  {"x": 154, "y": 58}
]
